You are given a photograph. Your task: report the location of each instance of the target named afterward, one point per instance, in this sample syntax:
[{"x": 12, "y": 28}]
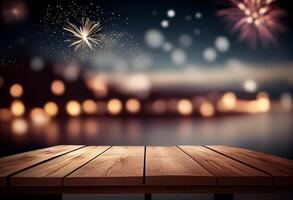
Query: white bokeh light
[
  {"x": 165, "y": 23},
  {"x": 250, "y": 86},
  {"x": 222, "y": 44},
  {"x": 210, "y": 54},
  {"x": 178, "y": 57},
  {"x": 198, "y": 15},
  {"x": 37, "y": 64},
  {"x": 154, "y": 38},
  {"x": 167, "y": 46},
  {"x": 171, "y": 13},
  {"x": 185, "y": 40}
]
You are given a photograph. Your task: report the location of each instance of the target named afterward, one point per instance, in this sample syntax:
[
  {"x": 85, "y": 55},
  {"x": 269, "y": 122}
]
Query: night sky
[{"x": 40, "y": 36}]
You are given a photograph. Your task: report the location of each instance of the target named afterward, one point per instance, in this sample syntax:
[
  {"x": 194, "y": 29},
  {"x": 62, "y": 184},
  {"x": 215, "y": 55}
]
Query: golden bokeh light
[
  {"x": 17, "y": 108},
  {"x": 57, "y": 87},
  {"x": 39, "y": 117},
  {"x": 16, "y": 90},
  {"x": 73, "y": 108},
  {"x": 184, "y": 107},
  {"x": 51, "y": 108},
  {"x": 5, "y": 114},
  {"x": 227, "y": 102},
  {"x": 89, "y": 107},
  {"x": 263, "y": 102},
  {"x": 133, "y": 105},
  {"x": 19, "y": 126},
  {"x": 206, "y": 109},
  {"x": 114, "y": 106}
]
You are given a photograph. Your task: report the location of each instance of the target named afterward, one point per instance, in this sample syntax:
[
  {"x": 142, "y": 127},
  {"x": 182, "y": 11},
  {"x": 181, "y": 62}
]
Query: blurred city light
[
  {"x": 16, "y": 90},
  {"x": 57, "y": 87},
  {"x": 133, "y": 105},
  {"x": 185, "y": 107},
  {"x": 73, "y": 108},
  {"x": 51, "y": 109},
  {"x": 17, "y": 108},
  {"x": 114, "y": 106}
]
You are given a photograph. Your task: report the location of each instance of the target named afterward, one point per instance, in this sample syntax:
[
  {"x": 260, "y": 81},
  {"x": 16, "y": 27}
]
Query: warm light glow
[
  {"x": 17, "y": 108},
  {"x": 57, "y": 87},
  {"x": 159, "y": 106},
  {"x": 39, "y": 117},
  {"x": 133, "y": 105},
  {"x": 16, "y": 90},
  {"x": 98, "y": 84},
  {"x": 73, "y": 108},
  {"x": 263, "y": 102},
  {"x": 184, "y": 107},
  {"x": 206, "y": 109},
  {"x": 51, "y": 109},
  {"x": 227, "y": 102},
  {"x": 19, "y": 126},
  {"x": 114, "y": 106},
  {"x": 5, "y": 114},
  {"x": 89, "y": 107}
]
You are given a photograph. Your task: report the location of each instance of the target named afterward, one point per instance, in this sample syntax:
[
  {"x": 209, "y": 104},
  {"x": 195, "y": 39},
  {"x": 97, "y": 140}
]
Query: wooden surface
[
  {"x": 279, "y": 168},
  {"x": 171, "y": 166},
  {"x": 16, "y": 163},
  {"x": 117, "y": 166},
  {"x": 150, "y": 168}
]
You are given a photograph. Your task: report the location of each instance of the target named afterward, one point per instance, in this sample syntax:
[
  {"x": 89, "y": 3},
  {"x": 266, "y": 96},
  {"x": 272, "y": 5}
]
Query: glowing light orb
[
  {"x": 184, "y": 107},
  {"x": 206, "y": 109},
  {"x": 13, "y": 11},
  {"x": 17, "y": 108},
  {"x": 133, "y": 105},
  {"x": 51, "y": 109},
  {"x": 114, "y": 106},
  {"x": 250, "y": 86},
  {"x": 57, "y": 87},
  {"x": 39, "y": 117},
  {"x": 171, "y": 13},
  {"x": 89, "y": 106},
  {"x": 165, "y": 23},
  {"x": 210, "y": 54},
  {"x": 19, "y": 126},
  {"x": 222, "y": 44},
  {"x": 154, "y": 38},
  {"x": 178, "y": 57},
  {"x": 73, "y": 108},
  {"x": 16, "y": 90}
]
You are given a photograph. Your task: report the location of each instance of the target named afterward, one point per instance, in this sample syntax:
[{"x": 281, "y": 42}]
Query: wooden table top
[{"x": 154, "y": 166}]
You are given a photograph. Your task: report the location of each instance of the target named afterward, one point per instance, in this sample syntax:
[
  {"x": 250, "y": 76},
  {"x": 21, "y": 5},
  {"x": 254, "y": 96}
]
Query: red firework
[{"x": 255, "y": 20}]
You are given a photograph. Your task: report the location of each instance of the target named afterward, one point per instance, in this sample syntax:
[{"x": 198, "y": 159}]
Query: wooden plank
[
  {"x": 52, "y": 172},
  {"x": 15, "y": 163},
  {"x": 281, "y": 169},
  {"x": 171, "y": 166},
  {"x": 120, "y": 165},
  {"x": 226, "y": 170}
]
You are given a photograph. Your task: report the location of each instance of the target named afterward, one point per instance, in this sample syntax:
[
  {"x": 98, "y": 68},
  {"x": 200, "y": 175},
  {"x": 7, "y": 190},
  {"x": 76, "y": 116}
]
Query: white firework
[{"x": 85, "y": 35}]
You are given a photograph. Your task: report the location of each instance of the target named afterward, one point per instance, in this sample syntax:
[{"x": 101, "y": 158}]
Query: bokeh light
[
  {"x": 222, "y": 44},
  {"x": 159, "y": 106},
  {"x": 37, "y": 64},
  {"x": 89, "y": 106},
  {"x": 73, "y": 108},
  {"x": 17, "y": 108},
  {"x": 210, "y": 54},
  {"x": 227, "y": 102},
  {"x": 184, "y": 107},
  {"x": 165, "y": 23},
  {"x": 154, "y": 38},
  {"x": 57, "y": 87},
  {"x": 39, "y": 117},
  {"x": 263, "y": 102},
  {"x": 114, "y": 106},
  {"x": 178, "y": 56},
  {"x": 206, "y": 109},
  {"x": 19, "y": 126},
  {"x": 133, "y": 105},
  {"x": 250, "y": 86},
  {"x": 5, "y": 114},
  {"x": 16, "y": 90},
  {"x": 171, "y": 13},
  {"x": 51, "y": 108}
]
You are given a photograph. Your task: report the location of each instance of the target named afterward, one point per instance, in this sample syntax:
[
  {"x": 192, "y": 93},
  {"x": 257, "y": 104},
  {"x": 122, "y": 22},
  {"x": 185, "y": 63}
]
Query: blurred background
[{"x": 159, "y": 73}]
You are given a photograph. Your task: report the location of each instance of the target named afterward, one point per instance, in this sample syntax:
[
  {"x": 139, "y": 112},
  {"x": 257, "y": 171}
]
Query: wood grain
[
  {"x": 171, "y": 166},
  {"x": 52, "y": 172},
  {"x": 15, "y": 163},
  {"x": 120, "y": 165},
  {"x": 226, "y": 170},
  {"x": 281, "y": 169}
]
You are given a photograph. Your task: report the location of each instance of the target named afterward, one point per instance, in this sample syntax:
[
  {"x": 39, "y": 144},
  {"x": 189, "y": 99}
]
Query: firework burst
[
  {"x": 255, "y": 20},
  {"x": 85, "y": 35}
]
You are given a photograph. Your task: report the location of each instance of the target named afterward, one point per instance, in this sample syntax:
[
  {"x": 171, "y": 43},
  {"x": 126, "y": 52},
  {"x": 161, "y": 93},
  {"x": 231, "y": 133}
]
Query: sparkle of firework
[
  {"x": 255, "y": 20},
  {"x": 86, "y": 34}
]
